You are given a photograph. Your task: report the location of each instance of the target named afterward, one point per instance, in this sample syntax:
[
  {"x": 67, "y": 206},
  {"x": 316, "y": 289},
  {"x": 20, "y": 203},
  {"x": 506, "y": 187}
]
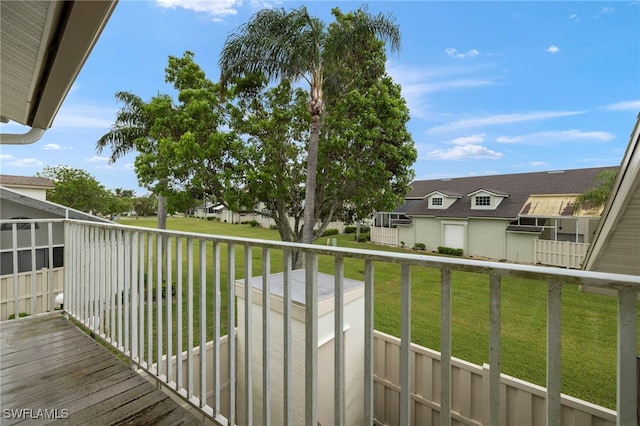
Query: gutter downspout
[{"x": 30, "y": 137}]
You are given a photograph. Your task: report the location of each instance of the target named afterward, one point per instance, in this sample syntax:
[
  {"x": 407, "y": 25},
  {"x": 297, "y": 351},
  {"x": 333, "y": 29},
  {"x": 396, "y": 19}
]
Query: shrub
[
  {"x": 363, "y": 238},
  {"x": 353, "y": 229},
  {"x": 418, "y": 246},
  {"x": 450, "y": 251},
  {"x": 274, "y": 227},
  {"x": 330, "y": 232},
  {"x": 20, "y": 315},
  {"x": 254, "y": 223}
]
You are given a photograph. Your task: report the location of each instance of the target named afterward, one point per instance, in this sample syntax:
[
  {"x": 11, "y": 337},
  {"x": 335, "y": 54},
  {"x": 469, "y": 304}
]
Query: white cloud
[
  {"x": 417, "y": 82},
  {"x": 538, "y": 163},
  {"x": 624, "y": 106},
  {"x": 469, "y": 140},
  {"x": 52, "y": 147},
  {"x": 213, "y": 8},
  {"x": 574, "y": 17},
  {"x": 553, "y": 49},
  {"x": 606, "y": 10},
  {"x": 97, "y": 159},
  {"x": 493, "y": 120},
  {"x": 464, "y": 151},
  {"x": 129, "y": 166},
  {"x": 10, "y": 160},
  {"x": 455, "y": 54},
  {"x": 85, "y": 116},
  {"x": 543, "y": 138}
]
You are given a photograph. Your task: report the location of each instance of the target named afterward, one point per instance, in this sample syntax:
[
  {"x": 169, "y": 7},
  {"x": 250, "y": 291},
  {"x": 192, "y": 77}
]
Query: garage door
[{"x": 454, "y": 236}]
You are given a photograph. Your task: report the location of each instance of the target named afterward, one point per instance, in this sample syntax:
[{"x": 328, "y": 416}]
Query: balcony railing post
[
  {"x": 203, "y": 323},
  {"x": 169, "y": 295},
  {"x": 266, "y": 337},
  {"x": 445, "y": 355},
  {"x": 217, "y": 304},
  {"x": 554, "y": 342},
  {"x": 34, "y": 308},
  {"x": 159, "y": 285},
  {"x": 179, "y": 319},
  {"x": 311, "y": 339},
  {"x": 405, "y": 344},
  {"x": 231, "y": 319},
  {"x": 627, "y": 385},
  {"x": 287, "y": 340},
  {"x": 338, "y": 398},
  {"x": 248, "y": 336},
  {"x": 494, "y": 349},
  {"x": 368, "y": 341}
]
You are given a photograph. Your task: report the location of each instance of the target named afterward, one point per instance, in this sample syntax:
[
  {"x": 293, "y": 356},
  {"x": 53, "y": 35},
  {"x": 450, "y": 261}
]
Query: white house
[{"x": 525, "y": 217}]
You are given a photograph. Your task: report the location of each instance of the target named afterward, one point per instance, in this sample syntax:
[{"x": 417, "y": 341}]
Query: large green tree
[
  {"x": 273, "y": 122},
  {"x": 77, "y": 189},
  {"x": 190, "y": 146},
  {"x": 295, "y": 46},
  {"x": 131, "y": 129}
]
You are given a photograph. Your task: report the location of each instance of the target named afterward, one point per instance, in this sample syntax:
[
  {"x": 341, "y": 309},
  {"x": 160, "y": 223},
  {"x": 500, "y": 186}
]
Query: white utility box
[{"x": 353, "y": 330}]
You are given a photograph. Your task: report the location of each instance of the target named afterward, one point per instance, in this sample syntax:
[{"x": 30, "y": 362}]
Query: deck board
[{"x": 46, "y": 363}]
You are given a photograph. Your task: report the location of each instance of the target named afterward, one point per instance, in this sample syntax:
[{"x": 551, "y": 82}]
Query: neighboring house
[
  {"x": 505, "y": 217},
  {"x": 615, "y": 247},
  {"x": 35, "y": 187},
  {"x": 24, "y": 198},
  {"x": 208, "y": 210}
]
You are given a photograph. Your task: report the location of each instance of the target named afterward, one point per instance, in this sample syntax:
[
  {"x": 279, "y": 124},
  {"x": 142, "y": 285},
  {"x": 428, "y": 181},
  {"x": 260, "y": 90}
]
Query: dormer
[
  {"x": 441, "y": 199},
  {"x": 486, "y": 199}
]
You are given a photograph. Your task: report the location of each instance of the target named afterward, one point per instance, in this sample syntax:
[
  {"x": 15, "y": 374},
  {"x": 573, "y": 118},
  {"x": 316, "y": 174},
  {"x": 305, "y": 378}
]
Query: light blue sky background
[{"x": 493, "y": 87}]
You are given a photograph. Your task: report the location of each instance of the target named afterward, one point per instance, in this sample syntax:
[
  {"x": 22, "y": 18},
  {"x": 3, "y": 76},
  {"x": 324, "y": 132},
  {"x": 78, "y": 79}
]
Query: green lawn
[{"x": 589, "y": 321}]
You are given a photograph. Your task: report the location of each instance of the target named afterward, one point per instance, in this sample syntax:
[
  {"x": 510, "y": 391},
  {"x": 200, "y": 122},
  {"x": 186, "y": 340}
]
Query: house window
[
  {"x": 483, "y": 200},
  {"x": 436, "y": 201},
  {"x": 24, "y": 260},
  {"x": 19, "y": 225}
]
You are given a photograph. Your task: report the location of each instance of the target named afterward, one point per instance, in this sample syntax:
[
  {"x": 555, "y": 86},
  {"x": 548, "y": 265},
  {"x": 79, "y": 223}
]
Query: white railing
[
  {"x": 114, "y": 279},
  {"x": 566, "y": 254}
]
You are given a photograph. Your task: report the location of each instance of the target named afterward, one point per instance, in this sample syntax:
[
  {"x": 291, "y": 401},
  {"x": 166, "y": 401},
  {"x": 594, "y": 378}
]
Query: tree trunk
[
  {"x": 162, "y": 212},
  {"x": 310, "y": 190}
]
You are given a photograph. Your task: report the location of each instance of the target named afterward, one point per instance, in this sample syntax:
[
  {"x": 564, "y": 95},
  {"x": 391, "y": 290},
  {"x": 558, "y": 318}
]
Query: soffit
[{"x": 43, "y": 46}]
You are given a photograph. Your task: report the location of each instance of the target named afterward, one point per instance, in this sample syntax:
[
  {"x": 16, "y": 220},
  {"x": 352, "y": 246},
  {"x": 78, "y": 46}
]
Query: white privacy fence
[
  {"x": 560, "y": 253},
  {"x": 522, "y": 403},
  {"x": 164, "y": 298}
]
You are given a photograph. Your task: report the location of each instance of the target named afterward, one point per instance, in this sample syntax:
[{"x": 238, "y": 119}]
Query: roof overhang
[
  {"x": 53, "y": 209},
  {"x": 43, "y": 46},
  {"x": 616, "y": 244}
]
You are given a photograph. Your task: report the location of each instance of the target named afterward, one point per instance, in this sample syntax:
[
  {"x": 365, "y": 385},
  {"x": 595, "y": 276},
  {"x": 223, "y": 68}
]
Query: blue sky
[{"x": 493, "y": 87}]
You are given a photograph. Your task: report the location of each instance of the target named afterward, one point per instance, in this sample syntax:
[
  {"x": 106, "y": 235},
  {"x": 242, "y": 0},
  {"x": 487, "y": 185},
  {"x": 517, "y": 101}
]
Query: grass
[{"x": 588, "y": 323}]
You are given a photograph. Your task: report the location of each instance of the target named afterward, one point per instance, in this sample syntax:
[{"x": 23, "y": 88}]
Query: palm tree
[
  {"x": 295, "y": 46},
  {"x": 131, "y": 125},
  {"x": 598, "y": 195}
]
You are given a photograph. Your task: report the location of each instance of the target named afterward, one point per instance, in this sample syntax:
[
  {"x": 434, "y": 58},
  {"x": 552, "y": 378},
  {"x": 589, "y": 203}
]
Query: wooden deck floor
[{"x": 50, "y": 368}]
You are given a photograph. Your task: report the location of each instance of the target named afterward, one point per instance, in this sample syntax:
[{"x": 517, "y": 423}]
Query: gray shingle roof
[{"x": 518, "y": 186}]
